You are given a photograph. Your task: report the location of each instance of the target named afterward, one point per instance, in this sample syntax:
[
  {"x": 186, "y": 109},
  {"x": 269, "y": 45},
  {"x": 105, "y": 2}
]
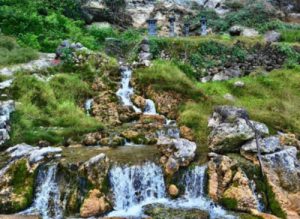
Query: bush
[{"x": 290, "y": 36}]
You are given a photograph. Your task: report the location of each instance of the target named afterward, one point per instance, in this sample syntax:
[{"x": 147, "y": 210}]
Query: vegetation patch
[
  {"x": 12, "y": 53},
  {"x": 229, "y": 203}
]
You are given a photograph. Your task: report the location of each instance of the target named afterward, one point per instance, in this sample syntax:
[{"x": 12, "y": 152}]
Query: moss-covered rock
[
  {"x": 159, "y": 211},
  {"x": 17, "y": 187}
]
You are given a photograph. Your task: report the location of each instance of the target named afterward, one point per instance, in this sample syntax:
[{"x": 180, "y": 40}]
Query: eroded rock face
[
  {"x": 282, "y": 170},
  {"x": 267, "y": 145},
  {"x": 95, "y": 204},
  {"x": 179, "y": 152},
  {"x": 226, "y": 181}
]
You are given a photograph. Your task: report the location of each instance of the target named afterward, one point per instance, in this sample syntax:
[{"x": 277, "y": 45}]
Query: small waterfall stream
[
  {"x": 136, "y": 186},
  {"x": 126, "y": 91},
  {"x": 150, "y": 107},
  {"x": 47, "y": 197}
]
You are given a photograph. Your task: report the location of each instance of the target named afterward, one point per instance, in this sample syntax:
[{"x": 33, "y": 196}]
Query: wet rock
[
  {"x": 282, "y": 170},
  {"x": 96, "y": 169},
  {"x": 17, "y": 186},
  {"x": 173, "y": 190},
  {"x": 267, "y": 145},
  {"x": 272, "y": 36},
  {"x": 95, "y": 204},
  {"x": 171, "y": 166},
  {"x": 127, "y": 114},
  {"x": 161, "y": 211}
]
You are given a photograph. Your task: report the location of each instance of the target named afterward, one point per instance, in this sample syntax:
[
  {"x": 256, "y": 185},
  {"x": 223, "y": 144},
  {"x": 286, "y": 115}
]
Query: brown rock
[
  {"x": 130, "y": 134},
  {"x": 139, "y": 101},
  {"x": 92, "y": 139},
  {"x": 173, "y": 190},
  {"x": 262, "y": 215},
  {"x": 95, "y": 204},
  {"x": 158, "y": 119},
  {"x": 186, "y": 132},
  {"x": 172, "y": 166},
  {"x": 241, "y": 192}
]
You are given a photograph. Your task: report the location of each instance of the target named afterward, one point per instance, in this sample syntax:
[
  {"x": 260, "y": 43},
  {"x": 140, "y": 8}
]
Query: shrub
[{"x": 290, "y": 36}]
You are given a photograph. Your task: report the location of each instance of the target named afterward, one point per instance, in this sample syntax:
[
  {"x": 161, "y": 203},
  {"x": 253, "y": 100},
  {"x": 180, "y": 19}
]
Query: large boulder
[
  {"x": 243, "y": 31},
  {"x": 229, "y": 137},
  {"x": 267, "y": 145},
  {"x": 282, "y": 170}
]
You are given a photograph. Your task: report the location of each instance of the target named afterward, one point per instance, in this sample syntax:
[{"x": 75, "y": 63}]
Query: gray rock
[
  {"x": 145, "y": 48},
  {"x": 272, "y": 36},
  {"x": 229, "y": 137},
  {"x": 267, "y": 145},
  {"x": 145, "y": 56},
  {"x": 239, "y": 84},
  {"x": 235, "y": 30},
  {"x": 286, "y": 165}
]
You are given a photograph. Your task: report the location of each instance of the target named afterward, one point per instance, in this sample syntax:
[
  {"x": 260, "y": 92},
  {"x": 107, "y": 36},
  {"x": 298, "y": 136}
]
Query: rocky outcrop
[
  {"x": 230, "y": 130},
  {"x": 229, "y": 185},
  {"x": 282, "y": 170},
  {"x": 176, "y": 153},
  {"x": 243, "y": 31},
  {"x": 272, "y": 36}
]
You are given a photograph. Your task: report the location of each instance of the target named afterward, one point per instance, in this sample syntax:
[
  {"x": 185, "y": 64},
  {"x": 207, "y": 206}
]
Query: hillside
[{"x": 150, "y": 109}]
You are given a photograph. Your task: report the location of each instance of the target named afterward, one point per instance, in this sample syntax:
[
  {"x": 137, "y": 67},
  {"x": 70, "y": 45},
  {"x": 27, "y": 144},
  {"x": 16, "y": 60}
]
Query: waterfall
[
  {"x": 126, "y": 91},
  {"x": 150, "y": 107},
  {"x": 194, "y": 197},
  {"x": 88, "y": 106},
  {"x": 47, "y": 197},
  {"x": 135, "y": 186}
]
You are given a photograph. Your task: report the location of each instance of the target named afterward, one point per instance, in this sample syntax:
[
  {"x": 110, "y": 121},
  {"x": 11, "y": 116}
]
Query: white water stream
[
  {"x": 136, "y": 186},
  {"x": 47, "y": 197}
]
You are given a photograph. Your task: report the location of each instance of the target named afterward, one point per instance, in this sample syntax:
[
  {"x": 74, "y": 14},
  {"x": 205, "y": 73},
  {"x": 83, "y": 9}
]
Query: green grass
[
  {"x": 12, "y": 53},
  {"x": 50, "y": 111},
  {"x": 167, "y": 76},
  {"x": 290, "y": 36}
]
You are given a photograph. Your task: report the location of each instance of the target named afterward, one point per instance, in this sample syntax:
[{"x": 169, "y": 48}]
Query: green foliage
[
  {"x": 290, "y": 36},
  {"x": 293, "y": 57},
  {"x": 167, "y": 76},
  {"x": 42, "y": 24},
  {"x": 229, "y": 203},
  {"x": 12, "y": 53},
  {"x": 101, "y": 33},
  {"x": 49, "y": 111}
]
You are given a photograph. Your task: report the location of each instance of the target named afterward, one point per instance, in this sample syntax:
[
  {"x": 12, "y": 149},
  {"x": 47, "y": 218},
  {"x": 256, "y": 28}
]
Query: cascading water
[
  {"x": 135, "y": 186},
  {"x": 47, "y": 197},
  {"x": 88, "y": 106},
  {"x": 194, "y": 181},
  {"x": 150, "y": 107},
  {"x": 126, "y": 91}
]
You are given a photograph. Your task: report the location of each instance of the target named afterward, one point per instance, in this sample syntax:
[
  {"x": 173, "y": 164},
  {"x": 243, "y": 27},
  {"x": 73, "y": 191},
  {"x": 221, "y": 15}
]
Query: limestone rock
[
  {"x": 95, "y": 204},
  {"x": 229, "y": 137},
  {"x": 267, "y": 145},
  {"x": 282, "y": 170},
  {"x": 92, "y": 139},
  {"x": 241, "y": 192},
  {"x": 139, "y": 101}
]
